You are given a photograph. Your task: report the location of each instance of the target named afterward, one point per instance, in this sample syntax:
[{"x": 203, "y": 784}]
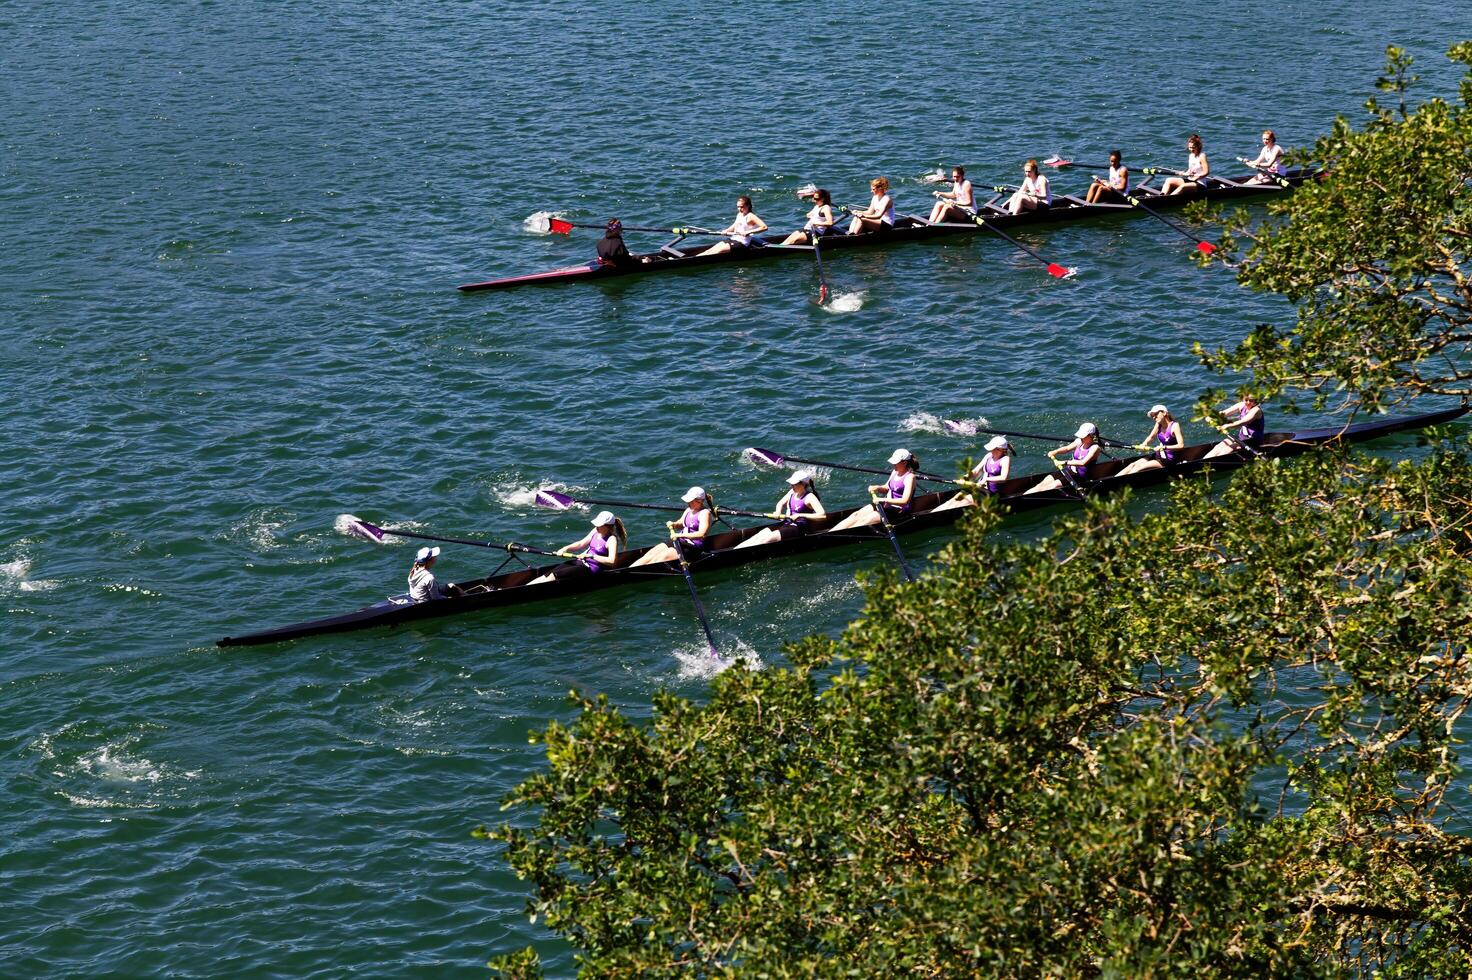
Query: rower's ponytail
[{"x": 620, "y": 532}]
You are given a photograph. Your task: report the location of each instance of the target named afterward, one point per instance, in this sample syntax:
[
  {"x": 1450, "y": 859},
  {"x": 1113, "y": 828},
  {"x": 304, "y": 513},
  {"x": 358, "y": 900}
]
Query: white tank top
[
  {"x": 1272, "y": 159},
  {"x": 745, "y": 223},
  {"x": 1196, "y": 165},
  {"x": 965, "y": 194},
  {"x": 1116, "y": 178},
  {"x": 819, "y": 211},
  {"x": 888, "y": 215},
  {"x": 1038, "y": 187}
]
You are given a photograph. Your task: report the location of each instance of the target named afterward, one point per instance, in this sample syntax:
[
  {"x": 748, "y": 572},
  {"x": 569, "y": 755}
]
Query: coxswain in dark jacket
[{"x": 611, "y": 247}]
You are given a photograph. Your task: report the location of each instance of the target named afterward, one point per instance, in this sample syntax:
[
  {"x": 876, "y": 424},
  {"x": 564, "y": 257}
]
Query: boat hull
[
  {"x": 689, "y": 257},
  {"x": 512, "y": 588}
]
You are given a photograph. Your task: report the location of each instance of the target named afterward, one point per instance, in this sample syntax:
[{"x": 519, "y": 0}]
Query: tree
[
  {"x": 1221, "y": 738},
  {"x": 1374, "y": 257}
]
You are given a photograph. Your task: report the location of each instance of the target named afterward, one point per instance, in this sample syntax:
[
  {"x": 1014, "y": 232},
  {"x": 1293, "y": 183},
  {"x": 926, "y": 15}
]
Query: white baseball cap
[
  {"x": 693, "y": 494},
  {"x": 604, "y": 518},
  {"x": 1156, "y": 410},
  {"x": 425, "y": 554},
  {"x": 900, "y": 456},
  {"x": 801, "y": 476},
  {"x": 1087, "y": 429},
  {"x": 997, "y": 442}
]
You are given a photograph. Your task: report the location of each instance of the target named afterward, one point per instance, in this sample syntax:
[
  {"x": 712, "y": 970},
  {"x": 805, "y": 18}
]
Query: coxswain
[
  {"x": 956, "y": 204},
  {"x": 880, "y": 212},
  {"x": 422, "y": 586},
  {"x": 612, "y": 250},
  {"x": 594, "y": 552},
  {"x": 1251, "y": 426},
  {"x": 688, "y": 532},
  {"x": 798, "y": 508},
  {"x": 820, "y": 219},
  {"x": 895, "y": 494},
  {"x": 1162, "y": 444},
  {"x": 1084, "y": 450},
  {"x": 1113, "y": 188},
  {"x": 1269, "y": 160},
  {"x": 1034, "y": 194},
  {"x": 741, "y": 231},
  {"x": 1197, "y": 168}
]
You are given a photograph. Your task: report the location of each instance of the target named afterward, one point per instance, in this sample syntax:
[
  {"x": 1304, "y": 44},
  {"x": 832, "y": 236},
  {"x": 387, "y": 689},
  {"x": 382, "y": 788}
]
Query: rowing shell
[
  {"x": 929, "y": 510},
  {"x": 1065, "y": 208}
]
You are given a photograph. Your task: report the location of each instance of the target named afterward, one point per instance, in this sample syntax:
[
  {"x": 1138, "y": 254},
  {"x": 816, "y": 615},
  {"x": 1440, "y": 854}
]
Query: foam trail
[
  {"x": 696, "y": 663},
  {"x": 936, "y": 176},
  {"x": 846, "y": 302},
  {"x": 539, "y": 222}
]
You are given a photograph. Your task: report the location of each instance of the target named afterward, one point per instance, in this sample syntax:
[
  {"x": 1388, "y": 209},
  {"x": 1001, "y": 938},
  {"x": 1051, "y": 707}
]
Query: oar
[
  {"x": 769, "y": 457},
  {"x": 818, "y": 261},
  {"x": 1054, "y": 269},
  {"x": 1226, "y": 431},
  {"x": 360, "y": 527},
  {"x": 558, "y": 226},
  {"x": 965, "y": 428},
  {"x": 1058, "y": 163},
  {"x": 561, "y": 501},
  {"x": 1276, "y": 177},
  {"x": 694, "y": 596},
  {"x": 1068, "y": 477},
  {"x": 893, "y": 538},
  {"x": 1205, "y": 248}
]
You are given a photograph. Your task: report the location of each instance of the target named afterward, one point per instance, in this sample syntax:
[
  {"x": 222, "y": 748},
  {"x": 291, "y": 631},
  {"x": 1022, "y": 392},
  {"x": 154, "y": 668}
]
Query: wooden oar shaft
[{"x": 507, "y": 546}]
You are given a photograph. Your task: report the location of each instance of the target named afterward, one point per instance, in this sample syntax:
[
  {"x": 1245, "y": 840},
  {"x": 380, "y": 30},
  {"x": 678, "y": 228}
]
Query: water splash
[
  {"x": 928, "y": 422},
  {"x": 936, "y": 176},
  {"x": 540, "y": 222},
  {"x": 343, "y": 524},
  {"x": 15, "y": 577},
  {"x": 846, "y": 302},
  {"x": 696, "y": 663},
  {"x": 522, "y": 496}
]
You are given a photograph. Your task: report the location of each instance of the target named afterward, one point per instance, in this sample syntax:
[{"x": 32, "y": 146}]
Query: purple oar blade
[
  {"x": 765, "y": 456},
  {"x": 960, "y": 428},
  {"x": 363, "y": 529},
  {"x": 553, "y": 499}
]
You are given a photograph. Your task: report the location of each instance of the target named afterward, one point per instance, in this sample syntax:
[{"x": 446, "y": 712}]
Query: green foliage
[
  {"x": 1374, "y": 256},
  {"x": 1215, "y": 739}
]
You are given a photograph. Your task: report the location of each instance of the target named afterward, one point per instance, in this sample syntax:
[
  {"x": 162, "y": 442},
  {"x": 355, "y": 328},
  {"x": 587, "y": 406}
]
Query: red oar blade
[
  {"x": 765, "y": 456},
  {"x": 823, "y": 294},
  {"x": 1057, "y": 271},
  {"x": 1205, "y": 248},
  {"x": 559, "y": 227},
  {"x": 361, "y": 528},
  {"x": 553, "y": 499},
  {"x": 1058, "y": 162}
]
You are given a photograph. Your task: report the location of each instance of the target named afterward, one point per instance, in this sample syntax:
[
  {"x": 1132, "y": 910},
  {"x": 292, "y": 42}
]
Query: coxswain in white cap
[{"x": 422, "y": 586}]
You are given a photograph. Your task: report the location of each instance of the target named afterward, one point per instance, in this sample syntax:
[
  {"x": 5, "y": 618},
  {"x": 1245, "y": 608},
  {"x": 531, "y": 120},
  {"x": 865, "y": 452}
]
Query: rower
[
  {"x": 611, "y": 248},
  {"x": 1197, "y": 168},
  {"x": 880, "y": 212},
  {"x": 1034, "y": 194},
  {"x": 741, "y": 231},
  {"x": 688, "y": 532},
  {"x": 1114, "y": 189},
  {"x": 799, "y": 507},
  {"x": 1269, "y": 160},
  {"x": 422, "y": 586},
  {"x": 820, "y": 219},
  {"x": 956, "y": 204},
  {"x": 897, "y": 493},
  {"x": 1163, "y": 442},
  {"x": 594, "y": 552},
  {"x": 1085, "y": 452},
  {"x": 995, "y": 466},
  {"x": 1251, "y": 423}
]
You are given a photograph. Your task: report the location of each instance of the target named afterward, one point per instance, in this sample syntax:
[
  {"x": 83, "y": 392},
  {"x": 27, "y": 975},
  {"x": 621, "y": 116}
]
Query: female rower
[
  {"x": 1164, "y": 441},
  {"x": 1034, "y": 194},
  {"x": 1197, "y": 168},
  {"x": 956, "y": 204},
  {"x": 994, "y": 467},
  {"x": 880, "y": 212},
  {"x": 1269, "y": 160},
  {"x": 1251, "y": 426},
  {"x": 688, "y": 532},
  {"x": 740, "y": 231},
  {"x": 799, "y": 506},
  {"x": 820, "y": 220},
  {"x": 1115, "y": 187},
  {"x": 593, "y": 552},
  {"x": 422, "y": 586},
  {"x": 1085, "y": 452},
  {"x": 898, "y": 492}
]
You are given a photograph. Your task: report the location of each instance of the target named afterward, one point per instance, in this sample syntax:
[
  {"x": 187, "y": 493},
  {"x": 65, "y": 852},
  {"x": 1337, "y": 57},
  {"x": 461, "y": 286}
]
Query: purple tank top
[
  {"x": 597, "y": 545},
  {"x": 1080, "y": 468},
  {"x": 992, "y": 467},
  {"x": 691, "y": 522},
  {"x": 1253, "y": 431},
  {"x": 1165, "y": 440},
  {"x": 796, "y": 505},
  {"x": 896, "y": 487}
]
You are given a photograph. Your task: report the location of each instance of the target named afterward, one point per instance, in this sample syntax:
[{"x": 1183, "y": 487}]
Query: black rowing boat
[
  {"x": 929, "y": 510},
  {"x": 1065, "y": 208}
]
